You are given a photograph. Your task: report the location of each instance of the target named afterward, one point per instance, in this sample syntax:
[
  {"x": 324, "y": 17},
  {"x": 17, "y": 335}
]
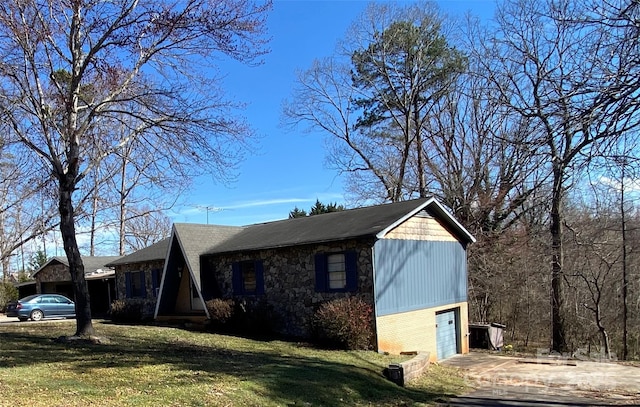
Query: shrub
[
  {"x": 253, "y": 316},
  {"x": 344, "y": 323},
  {"x": 8, "y": 293},
  {"x": 130, "y": 310},
  {"x": 220, "y": 311}
]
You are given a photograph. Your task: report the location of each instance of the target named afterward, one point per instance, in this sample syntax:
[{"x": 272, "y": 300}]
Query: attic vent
[{"x": 424, "y": 214}]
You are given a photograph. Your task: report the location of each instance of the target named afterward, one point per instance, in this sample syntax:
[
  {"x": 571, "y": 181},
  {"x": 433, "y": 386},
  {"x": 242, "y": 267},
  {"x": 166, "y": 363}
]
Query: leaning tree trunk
[
  {"x": 84, "y": 326},
  {"x": 603, "y": 333},
  {"x": 69, "y": 176}
]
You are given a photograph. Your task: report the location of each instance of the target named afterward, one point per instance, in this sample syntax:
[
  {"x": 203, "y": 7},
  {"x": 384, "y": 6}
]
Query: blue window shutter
[
  {"x": 127, "y": 284},
  {"x": 155, "y": 280},
  {"x": 321, "y": 272},
  {"x": 143, "y": 287},
  {"x": 236, "y": 278},
  {"x": 351, "y": 268},
  {"x": 259, "y": 277}
]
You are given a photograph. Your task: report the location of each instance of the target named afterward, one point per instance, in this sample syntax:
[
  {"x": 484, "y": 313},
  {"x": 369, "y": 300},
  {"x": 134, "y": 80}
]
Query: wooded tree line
[{"x": 526, "y": 127}]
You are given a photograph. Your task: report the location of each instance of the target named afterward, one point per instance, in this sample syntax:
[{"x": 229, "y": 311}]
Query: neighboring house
[
  {"x": 407, "y": 259},
  {"x": 54, "y": 277},
  {"x": 138, "y": 274}
]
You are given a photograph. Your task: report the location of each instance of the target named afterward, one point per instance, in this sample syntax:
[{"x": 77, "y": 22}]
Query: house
[
  {"x": 407, "y": 259},
  {"x": 137, "y": 275},
  {"x": 54, "y": 277}
]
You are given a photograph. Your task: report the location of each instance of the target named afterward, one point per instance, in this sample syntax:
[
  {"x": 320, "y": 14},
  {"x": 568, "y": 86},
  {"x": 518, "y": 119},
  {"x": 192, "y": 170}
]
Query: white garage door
[{"x": 446, "y": 334}]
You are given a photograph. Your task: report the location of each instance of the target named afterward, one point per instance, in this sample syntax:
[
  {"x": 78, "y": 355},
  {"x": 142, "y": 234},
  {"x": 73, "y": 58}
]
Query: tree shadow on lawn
[{"x": 285, "y": 379}]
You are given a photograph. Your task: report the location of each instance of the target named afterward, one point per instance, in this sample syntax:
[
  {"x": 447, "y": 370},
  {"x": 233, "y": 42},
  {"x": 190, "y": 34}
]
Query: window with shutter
[
  {"x": 248, "y": 278},
  {"x": 336, "y": 272},
  {"x": 135, "y": 284}
]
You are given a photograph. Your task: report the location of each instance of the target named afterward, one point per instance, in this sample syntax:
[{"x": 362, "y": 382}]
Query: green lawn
[{"x": 147, "y": 365}]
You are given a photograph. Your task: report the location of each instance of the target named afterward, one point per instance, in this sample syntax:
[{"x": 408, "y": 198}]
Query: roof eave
[
  {"x": 283, "y": 246},
  {"x": 126, "y": 263}
]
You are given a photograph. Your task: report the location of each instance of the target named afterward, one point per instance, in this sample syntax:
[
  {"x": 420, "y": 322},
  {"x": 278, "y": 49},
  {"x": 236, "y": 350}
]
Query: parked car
[{"x": 41, "y": 306}]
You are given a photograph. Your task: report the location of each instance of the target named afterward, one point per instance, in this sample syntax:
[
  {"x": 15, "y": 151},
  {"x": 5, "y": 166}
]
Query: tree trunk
[
  {"x": 558, "y": 338},
  {"x": 123, "y": 205},
  {"x": 603, "y": 333},
  {"x": 94, "y": 217},
  {"x": 67, "y": 179},
  {"x": 422, "y": 189},
  {"x": 625, "y": 281},
  {"x": 84, "y": 326}
]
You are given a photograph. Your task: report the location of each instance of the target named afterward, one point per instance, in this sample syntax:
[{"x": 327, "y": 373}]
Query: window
[
  {"x": 336, "y": 272},
  {"x": 248, "y": 269},
  {"x": 248, "y": 278},
  {"x": 135, "y": 284}
]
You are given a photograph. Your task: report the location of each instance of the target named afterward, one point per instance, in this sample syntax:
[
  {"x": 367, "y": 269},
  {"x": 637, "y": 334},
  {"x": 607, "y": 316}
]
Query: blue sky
[{"x": 288, "y": 169}]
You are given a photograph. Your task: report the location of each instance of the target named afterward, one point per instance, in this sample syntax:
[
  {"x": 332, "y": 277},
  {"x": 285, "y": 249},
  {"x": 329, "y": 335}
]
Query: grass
[{"x": 150, "y": 366}]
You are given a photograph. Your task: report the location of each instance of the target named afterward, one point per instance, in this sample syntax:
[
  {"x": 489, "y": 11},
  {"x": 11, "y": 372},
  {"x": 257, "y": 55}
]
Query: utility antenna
[{"x": 210, "y": 208}]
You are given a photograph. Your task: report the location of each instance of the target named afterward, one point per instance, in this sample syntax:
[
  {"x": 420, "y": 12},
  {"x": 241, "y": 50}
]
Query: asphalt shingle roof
[
  {"x": 91, "y": 263},
  {"x": 334, "y": 226},
  {"x": 156, "y": 251},
  {"x": 196, "y": 239}
]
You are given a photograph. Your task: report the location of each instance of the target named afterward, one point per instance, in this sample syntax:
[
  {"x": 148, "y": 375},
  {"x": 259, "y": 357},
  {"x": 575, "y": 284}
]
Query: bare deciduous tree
[
  {"x": 144, "y": 227},
  {"x": 594, "y": 258},
  {"x": 71, "y": 68},
  {"x": 24, "y": 216},
  {"x": 566, "y": 79}
]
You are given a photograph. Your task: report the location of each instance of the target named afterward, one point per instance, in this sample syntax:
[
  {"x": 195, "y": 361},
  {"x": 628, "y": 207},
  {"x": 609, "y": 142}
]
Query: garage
[{"x": 446, "y": 333}]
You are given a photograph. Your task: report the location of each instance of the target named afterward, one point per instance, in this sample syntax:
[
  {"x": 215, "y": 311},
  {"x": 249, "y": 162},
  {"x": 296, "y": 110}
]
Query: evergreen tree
[
  {"x": 297, "y": 213},
  {"x": 317, "y": 209}
]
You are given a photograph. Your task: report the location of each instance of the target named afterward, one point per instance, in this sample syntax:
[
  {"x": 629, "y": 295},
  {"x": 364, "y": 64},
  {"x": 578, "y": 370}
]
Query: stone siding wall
[
  {"x": 289, "y": 280},
  {"x": 121, "y": 288},
  {"x": 421, "y": 228},
  {"x": 53, "y": 273}
]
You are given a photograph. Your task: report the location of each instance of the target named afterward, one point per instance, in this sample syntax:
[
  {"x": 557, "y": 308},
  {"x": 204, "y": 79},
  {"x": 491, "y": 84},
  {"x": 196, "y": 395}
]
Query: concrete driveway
[
  {"x": 13, "y": 320},
  {"x": 547, "y": 381}
]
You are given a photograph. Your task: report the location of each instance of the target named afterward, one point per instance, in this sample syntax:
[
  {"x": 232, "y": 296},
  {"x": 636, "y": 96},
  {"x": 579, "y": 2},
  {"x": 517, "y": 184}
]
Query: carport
[
  {"x": 25, "y": 289},
  {"x": 54, "y": 278}
]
